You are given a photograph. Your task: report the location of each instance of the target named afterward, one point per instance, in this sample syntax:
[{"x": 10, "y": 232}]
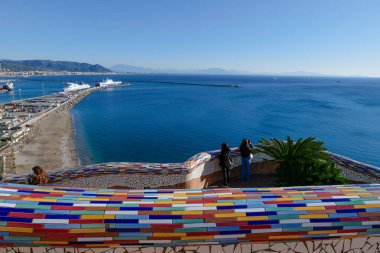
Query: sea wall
[{"x": 200, "y": 171}]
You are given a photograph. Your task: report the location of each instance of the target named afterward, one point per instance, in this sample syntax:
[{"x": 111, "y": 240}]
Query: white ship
[
  {"x": 7, "y": 87},
  {"x": 75, "y": 86},
  {"x": 107, "y": 82}
]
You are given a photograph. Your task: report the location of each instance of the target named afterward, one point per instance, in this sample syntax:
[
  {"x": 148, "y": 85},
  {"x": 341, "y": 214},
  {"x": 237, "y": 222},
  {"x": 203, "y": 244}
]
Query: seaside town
[{"x": 18, "y": 118}]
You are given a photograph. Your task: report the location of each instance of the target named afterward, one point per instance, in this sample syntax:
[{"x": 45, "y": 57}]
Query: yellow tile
[
  {"x": 14, "y": 229},
  {"x": 180, "y": 194},
  {"x": 87, "y": 230},
  {"x": 168, "y": 234},
  {"x": 221, "y": 215},
  {"x": 287, "y": 199},
  {"x": 187, "y": 212},
  {"x": 39, "y": 199},
  {"x": 118, "y": 193},
  {"x": 248, "y": 218},
  {"x": 305, "y": 208},
  {"x": 314, "y": 216},
  {"x": 367, "y": 206},
  {"x": 322, "y": 232}
]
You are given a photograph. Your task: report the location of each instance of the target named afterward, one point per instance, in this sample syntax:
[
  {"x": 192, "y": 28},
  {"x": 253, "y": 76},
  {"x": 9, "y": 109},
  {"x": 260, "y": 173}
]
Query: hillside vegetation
[{"x": 47, "y": 65}]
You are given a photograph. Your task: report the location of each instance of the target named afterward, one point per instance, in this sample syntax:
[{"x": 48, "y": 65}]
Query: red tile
[
  {"x": 24, "y": 225},
  {"x": 27, "y": 215},
  {"x": 339, "y": 207}
]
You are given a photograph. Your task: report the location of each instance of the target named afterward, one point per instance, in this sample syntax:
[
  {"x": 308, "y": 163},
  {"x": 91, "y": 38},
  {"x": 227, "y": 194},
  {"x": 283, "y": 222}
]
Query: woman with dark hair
[
  {"x": 245, "y": 153},
  {"x": 39, "y": 176},
  {"x": 225, "y": 162}
]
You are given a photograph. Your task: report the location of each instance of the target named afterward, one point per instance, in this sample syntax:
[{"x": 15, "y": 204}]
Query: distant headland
[{"x": 48, "y": 67}]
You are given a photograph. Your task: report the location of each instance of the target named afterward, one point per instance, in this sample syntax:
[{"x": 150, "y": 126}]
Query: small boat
[
  {"x": 75, "y": 86},
  {"x": 107, "y": 82}
]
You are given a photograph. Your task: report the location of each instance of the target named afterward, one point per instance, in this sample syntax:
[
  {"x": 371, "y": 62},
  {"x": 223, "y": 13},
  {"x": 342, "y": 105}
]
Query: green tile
[
  {"x": 93, "y": 225},
  {"x": 182, "y": 221},
  {"x": 38, "y": 207},
  {"x": 377, "y": 230},
  {"x": 21, "y": 238},
  {"x": 347, "y": 223}
]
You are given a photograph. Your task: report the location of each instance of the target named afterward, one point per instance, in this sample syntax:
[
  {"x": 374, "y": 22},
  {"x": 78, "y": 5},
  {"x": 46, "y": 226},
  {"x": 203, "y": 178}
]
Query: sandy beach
[{"x": 50, "y": 145}]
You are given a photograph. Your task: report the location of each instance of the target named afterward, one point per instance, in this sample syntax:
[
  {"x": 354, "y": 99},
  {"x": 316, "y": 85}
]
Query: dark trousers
[{"x": 226, "y": 175}]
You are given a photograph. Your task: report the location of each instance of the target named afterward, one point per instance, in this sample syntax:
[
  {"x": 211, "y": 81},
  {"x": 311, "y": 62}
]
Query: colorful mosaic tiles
[
  {"x": 351, "y": 164},
  {"x": 52, "y": 216}
]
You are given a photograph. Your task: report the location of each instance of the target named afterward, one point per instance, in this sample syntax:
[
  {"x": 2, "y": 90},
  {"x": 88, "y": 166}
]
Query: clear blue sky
[{"x": 327, "y": 36}]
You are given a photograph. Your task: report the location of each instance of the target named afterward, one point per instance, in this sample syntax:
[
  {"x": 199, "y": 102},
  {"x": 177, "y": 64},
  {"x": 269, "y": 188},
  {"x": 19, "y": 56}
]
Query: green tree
[
  {"x": 13, "y": 157},
  {"x": 301, "y": 162}
]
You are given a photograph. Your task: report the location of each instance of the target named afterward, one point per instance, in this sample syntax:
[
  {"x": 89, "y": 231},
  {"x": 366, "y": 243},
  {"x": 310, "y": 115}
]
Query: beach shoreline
[{"x": 50, "y": 145}]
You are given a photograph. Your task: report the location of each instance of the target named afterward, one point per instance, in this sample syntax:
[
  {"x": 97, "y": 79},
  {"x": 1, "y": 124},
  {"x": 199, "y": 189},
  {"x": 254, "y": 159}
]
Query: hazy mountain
[
  {"x": 129, "y": 68},
  {"x": 301, "y": 73},
  {"x": 47, "y": 65},
  {"x": 209, "y": 71}
]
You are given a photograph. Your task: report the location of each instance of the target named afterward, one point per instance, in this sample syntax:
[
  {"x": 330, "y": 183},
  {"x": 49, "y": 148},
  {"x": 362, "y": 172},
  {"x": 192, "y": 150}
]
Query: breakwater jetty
[{"x": 193, "y": 84}]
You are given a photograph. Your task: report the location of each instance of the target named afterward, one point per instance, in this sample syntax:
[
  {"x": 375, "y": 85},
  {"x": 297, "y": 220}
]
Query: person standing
[
  {"x": 245, "y": 153},
  {"x": 225, "y": 162}
]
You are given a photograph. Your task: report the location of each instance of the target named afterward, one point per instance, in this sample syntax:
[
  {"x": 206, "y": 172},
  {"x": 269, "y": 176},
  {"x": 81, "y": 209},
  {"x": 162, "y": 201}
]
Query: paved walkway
[{"x": 256, "y": 181}]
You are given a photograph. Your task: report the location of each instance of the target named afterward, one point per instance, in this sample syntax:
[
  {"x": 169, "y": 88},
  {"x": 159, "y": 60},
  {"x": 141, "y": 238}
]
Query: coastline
[{"x": 51, "y": 145}]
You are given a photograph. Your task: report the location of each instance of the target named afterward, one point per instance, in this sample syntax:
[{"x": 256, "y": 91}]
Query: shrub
[{"x": 301, "y": 162}]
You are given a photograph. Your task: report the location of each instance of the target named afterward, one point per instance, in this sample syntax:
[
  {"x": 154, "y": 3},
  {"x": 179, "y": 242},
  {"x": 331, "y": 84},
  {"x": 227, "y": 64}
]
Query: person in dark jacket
[
  {"x": 225, "y": 162},
  {"x": 245, "y": 153}
]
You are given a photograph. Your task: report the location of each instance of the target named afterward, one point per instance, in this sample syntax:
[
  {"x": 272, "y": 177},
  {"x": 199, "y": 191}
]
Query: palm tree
[{"x": 301, "y": 162}]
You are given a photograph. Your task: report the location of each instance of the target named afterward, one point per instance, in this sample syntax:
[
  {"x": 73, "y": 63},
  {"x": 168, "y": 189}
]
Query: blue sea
[{"x": 161, "y": 118}]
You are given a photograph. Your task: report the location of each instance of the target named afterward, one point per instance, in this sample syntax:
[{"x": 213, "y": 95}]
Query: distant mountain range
[
  {"x": 47, "y": 65},
  {"x": 208, "y": 71},
  {"x": 70, "y": 66}
]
